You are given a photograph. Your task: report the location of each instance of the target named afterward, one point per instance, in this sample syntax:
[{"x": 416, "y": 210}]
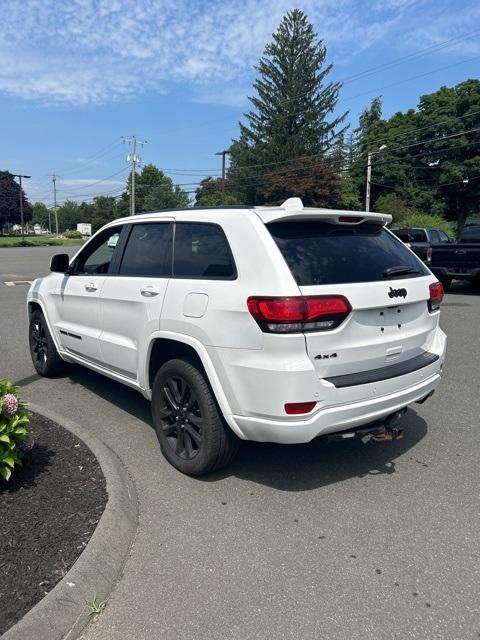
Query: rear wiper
[{"x": 399, "y": 271}]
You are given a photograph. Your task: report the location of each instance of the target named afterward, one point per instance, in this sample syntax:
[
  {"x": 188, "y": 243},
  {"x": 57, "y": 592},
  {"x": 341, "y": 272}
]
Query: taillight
[
  {"x": 299, "y": 313},
  {"x": 429, "y": 254},
  {"x": 436, "y": 296}
]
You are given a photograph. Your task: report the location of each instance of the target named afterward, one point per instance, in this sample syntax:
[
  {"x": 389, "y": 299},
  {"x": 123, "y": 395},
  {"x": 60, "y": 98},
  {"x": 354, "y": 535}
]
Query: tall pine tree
[{"x": 293, "y": 106}]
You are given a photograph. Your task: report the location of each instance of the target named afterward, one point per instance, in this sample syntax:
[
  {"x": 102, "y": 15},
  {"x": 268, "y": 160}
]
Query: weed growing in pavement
[{"x": 96, "y": 608}]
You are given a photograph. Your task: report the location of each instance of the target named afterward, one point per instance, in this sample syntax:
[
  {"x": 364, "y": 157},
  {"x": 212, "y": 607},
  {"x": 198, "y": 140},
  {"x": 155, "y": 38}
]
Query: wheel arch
[
  {"x": 34, "y": 306},
  {"x": 167, "y": 346},
  {"x": 37, "y": 305}
]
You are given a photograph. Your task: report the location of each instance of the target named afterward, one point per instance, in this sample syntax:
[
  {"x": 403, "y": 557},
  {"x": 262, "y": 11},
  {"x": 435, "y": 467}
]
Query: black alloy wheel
[
  {"x": 39, "y": 343},
  {"x": 181, "y": 417},
  {"x": 43, "y": 351}
]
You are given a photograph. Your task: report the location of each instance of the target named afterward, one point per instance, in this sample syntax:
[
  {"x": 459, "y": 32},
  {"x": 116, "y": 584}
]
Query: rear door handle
[
  {"x": 91, "y": 286},
  {"x": 149, "y": 291}
]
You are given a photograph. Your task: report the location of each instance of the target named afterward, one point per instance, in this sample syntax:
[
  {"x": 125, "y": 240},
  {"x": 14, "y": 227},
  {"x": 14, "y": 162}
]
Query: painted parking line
[{"x": 15, "y": 283}]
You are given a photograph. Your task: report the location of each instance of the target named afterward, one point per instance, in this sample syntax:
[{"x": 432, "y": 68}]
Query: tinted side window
[
  {"x": 202, "y": 251},
  {"x": 443, "y": 236},
  {"x": 318, "y": 252},
  {"x": 434, "y": 235},
  {"x": 97, "y": 256},
  {"x": 148, "y": 251}
]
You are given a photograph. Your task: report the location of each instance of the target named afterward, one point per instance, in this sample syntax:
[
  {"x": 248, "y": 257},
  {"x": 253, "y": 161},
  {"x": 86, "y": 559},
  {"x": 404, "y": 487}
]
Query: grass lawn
[{"x": 38, "y": 241}]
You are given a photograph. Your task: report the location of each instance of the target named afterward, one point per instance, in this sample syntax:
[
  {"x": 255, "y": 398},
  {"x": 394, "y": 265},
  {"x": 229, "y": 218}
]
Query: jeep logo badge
[{"x": 397, "y": 293}]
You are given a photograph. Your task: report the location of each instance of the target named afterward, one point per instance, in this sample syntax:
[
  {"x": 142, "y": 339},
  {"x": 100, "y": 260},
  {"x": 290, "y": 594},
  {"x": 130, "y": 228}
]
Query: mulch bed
[{"x": 48, "y": 511}]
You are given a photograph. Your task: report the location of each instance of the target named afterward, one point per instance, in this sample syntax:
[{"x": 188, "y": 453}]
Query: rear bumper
[
  {"x": 347, "y": 407},
  {"x": 333, "y": 419}
]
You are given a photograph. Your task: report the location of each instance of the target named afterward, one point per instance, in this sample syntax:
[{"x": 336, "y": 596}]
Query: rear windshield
[
  {"x": 322, "y": 253},
  {"x": 411, "y": 235}
]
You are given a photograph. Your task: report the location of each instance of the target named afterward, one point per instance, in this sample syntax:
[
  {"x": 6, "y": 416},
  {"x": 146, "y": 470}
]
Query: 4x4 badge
[{"x": 397, "y": 293}]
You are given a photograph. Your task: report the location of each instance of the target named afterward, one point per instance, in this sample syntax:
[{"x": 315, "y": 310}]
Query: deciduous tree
[{"x": 312, "y": 179}]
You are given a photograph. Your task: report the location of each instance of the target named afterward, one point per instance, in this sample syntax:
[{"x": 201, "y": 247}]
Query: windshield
[{"x": 319, "y": 252}]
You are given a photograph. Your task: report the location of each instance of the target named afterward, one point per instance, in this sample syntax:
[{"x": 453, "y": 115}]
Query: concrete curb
[{"x": 63, "y": 612}]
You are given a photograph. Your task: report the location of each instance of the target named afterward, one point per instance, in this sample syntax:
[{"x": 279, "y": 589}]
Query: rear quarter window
[
  {"x": 319, "y": 252},
  {"x": 201, "y": 250}
]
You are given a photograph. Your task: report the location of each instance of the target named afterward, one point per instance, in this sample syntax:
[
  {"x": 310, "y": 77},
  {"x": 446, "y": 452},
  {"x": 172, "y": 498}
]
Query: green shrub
[
  {"x": 14, "y": 420},
  {"x": 414, "y": 219},
  {"x": 74, "y": 234}
]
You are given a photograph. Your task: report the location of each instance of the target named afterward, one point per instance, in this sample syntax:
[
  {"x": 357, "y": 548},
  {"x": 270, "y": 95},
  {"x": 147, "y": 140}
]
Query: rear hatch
[{"x": 386, "y": 286}]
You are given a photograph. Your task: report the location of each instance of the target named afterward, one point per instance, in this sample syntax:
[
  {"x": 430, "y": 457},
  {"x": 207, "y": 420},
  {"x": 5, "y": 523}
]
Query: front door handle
[
  {"x": 149, "y": 291},
  {"x": 91, "y": 286}
]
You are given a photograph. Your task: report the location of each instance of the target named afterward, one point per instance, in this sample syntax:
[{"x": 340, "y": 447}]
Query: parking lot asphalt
[{"x": 319, "y": 541}]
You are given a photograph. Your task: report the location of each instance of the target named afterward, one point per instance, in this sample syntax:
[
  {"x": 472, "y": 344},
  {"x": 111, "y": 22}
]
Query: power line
[
  {"x": 98, "y": 154},
  {"x": 211, "y": 171},
  {"x": 416, "y": 77},
  {"x": 91, "y": 184},
  {"x": 407, "y": 58},
  {"x": 434, "y": 152},
  {"x": 415, "y": 130},
  {"x": 365, "y": 73},
  {"x": 416, "y": 144},
  {"x": 465, "y": 180}
]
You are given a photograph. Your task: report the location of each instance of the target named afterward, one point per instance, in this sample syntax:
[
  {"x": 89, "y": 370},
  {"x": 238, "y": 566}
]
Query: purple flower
[{"x": 10, "y": 403}]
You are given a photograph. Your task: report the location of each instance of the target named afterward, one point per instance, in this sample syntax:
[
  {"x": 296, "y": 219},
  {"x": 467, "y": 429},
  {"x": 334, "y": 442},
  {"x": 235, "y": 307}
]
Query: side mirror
[{"x": 60, "y": 263}]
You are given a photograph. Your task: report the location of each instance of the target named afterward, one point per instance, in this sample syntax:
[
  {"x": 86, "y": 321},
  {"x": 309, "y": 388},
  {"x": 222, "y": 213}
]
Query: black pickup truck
[
  {"x": 420, "y": 240},
  {"x": 458, "y": 260}
]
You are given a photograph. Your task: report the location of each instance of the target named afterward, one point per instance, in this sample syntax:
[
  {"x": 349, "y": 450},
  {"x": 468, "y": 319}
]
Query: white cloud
[
  {"x": 96, "y": 51},
  {"x": 458, "y": 30}
]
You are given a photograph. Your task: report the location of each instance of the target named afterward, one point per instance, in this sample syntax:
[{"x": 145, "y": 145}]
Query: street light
[{"x": 369, "y": 174}]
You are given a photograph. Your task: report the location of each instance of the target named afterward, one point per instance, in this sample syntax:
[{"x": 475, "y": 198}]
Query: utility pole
[
  {"x": 369, "y": 179},
  {"x": 223, "y": 154},
  {"x": 54, "y": 180},
  {"x": 369, "y": 175},
  {"x": 134, "y": 159},
  {"x": 22, "y": 223}
]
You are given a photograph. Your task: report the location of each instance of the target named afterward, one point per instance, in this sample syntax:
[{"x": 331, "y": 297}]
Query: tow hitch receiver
[{"x": 384, "y": 430}]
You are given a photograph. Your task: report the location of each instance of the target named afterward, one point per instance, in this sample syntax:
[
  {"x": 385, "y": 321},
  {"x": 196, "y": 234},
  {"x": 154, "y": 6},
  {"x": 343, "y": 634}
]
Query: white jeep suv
[{"x": 274, "y": 324}]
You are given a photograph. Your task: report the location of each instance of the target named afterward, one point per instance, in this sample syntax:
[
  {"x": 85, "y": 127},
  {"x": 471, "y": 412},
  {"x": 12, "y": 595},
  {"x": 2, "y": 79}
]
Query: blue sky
[{"x": 77, "y": 75}]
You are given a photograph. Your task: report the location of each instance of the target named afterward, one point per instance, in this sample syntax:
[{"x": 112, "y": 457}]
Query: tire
[
  {"x": 43, "y": 352},
  {"x": 190, "y": 428}
]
